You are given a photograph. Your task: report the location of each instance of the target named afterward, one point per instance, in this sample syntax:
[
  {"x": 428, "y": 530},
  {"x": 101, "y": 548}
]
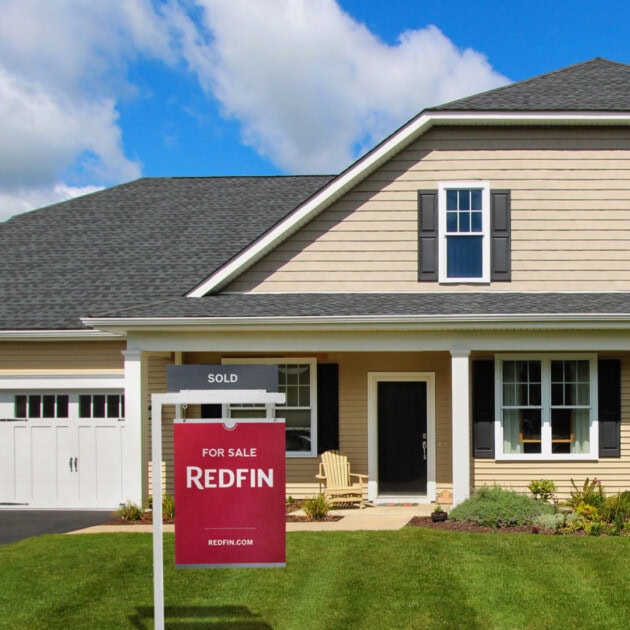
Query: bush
[
  {"x": 542, "y": 489},
  {"x": 591, "y": 493},
  {"x": 130, "y": 511},
  {"x": 168, "y": 506},
  {"x": 316, "y": 508},
  {"x": 496, "y": 507}
]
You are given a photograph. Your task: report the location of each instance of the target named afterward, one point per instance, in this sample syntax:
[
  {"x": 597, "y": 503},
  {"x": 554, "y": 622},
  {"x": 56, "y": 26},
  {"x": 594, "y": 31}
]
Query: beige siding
[
  {"x": 570, "y": 214},
  {"x": 156, "y": 368},
  {"x": 614, "y": 473},
  {"x": 353, "y": 409},
  {"x": 61, "y": 357}
]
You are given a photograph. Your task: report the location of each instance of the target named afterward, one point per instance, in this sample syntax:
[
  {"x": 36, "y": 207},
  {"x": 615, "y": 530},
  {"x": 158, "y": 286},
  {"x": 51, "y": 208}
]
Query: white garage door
[{"x": 62, "y": 450}]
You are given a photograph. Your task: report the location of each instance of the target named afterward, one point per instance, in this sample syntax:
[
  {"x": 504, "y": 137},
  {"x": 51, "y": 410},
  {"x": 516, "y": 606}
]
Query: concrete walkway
[{"x": 379, "y": 517}]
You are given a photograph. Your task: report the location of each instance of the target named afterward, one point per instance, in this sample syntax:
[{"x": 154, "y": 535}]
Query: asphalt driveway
[{"x": 19, "y": 524}]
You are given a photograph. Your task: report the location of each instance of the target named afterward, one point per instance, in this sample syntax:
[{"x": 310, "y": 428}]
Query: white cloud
[
  {"x": 22, "y": 200},
  {"x": 311, "y": 87},
  {"x": 62, "y": 69}
]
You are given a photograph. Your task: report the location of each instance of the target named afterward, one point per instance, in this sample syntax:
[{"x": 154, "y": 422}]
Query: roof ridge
[{"x": 523, "y": 82}]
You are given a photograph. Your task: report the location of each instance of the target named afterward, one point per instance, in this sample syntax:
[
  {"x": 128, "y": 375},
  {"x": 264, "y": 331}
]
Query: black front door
[{"x": 402, "y": 437}]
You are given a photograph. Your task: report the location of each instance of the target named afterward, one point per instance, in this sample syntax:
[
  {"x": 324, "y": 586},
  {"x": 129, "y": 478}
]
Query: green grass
[{"x": 413, "y": 578}]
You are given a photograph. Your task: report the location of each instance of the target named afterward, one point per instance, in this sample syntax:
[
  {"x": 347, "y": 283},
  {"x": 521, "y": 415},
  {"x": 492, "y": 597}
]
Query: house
[{"x": 452, "y": 310}]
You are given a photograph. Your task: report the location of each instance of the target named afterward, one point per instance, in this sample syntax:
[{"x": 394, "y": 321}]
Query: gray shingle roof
[
  {"x": 379, "y": 304},
  {"x": 145, "y": 240},
  {"x": 595, "y": 85}
]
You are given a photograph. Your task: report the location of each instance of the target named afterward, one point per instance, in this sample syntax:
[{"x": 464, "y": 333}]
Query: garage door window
[
  {"x": 41, "y": 406},
  {"x": 101, "y": 406}
]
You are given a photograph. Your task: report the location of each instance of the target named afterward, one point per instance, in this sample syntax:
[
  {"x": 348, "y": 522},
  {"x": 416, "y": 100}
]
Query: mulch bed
[
  {"x": 452, "y": 526},
  {"x": 291, "y": 517}
]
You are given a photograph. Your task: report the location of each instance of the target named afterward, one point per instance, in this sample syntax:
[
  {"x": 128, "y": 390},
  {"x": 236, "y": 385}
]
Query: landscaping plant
[
  {"x": 130, "y": 511},
  {"x": 316, "y": 508},
  {"x": 497, "y": 507}
]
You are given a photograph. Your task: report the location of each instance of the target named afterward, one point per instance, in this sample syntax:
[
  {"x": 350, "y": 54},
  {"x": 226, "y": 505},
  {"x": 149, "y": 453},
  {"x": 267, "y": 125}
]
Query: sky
[{"x": 94, "y": 93}]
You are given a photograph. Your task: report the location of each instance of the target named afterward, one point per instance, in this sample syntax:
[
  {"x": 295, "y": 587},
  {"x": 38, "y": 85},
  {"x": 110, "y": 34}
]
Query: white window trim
[
  {"x": 312, "y": 362},
  {"x": 546, "y": 454},
  {"x": 485, "y": 218}
]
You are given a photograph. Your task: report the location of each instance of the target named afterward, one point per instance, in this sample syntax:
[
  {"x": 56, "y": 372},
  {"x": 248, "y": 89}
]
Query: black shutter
[
  {"x": 327, "y": 407},
  {"x": 501, "y": 240},
  {"x": 427, "y": 236},
  {"x": 483, "y": 409},
  {"x": 211, "y": 411},
  {"x": 609, "y": 400}
]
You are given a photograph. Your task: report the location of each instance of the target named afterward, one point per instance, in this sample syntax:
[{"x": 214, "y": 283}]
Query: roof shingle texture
[
  {"x": 145, "y": 240},
  {"x": 379, "y": 304},
  {"x": 592, "y": 86}
]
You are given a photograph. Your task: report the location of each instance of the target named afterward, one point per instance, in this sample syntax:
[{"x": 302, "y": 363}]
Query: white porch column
[
  {"x": 133, "y": 473},
  {"x": 460, "y": 407}
]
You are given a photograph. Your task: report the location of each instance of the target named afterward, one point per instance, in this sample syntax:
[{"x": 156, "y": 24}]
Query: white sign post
[{"x": 186, "y": 397}]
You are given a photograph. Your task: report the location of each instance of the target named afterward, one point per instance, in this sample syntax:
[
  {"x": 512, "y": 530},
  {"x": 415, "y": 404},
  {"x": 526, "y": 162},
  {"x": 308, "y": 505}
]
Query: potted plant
[{"x": 438, "y": 514}]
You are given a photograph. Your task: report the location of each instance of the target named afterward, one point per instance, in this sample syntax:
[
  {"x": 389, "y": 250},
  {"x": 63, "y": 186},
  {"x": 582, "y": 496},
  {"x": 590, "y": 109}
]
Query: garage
[{"x": 62, "y": 450}]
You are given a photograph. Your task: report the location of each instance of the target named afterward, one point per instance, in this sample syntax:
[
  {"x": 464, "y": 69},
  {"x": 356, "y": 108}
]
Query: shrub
[
  {"x": 496, "y": 507},
  {"x": 591, "y": 493},
  {"x": 616, "y": 509},
  {"x": 542, "y": 489},
  {"x": 168, "y": 506},
  {"x": 130, "y": 511},
  {"x": 316, "y": 508}
]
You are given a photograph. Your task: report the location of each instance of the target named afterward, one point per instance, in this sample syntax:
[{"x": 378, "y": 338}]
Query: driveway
[{"x": 19, "y": 524}]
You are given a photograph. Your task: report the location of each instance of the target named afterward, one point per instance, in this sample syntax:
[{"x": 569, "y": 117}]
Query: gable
[{"x": 570, "y": 214}]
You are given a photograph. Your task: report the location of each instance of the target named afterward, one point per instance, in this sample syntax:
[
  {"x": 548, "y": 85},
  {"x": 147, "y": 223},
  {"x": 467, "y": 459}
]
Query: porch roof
[{"x": 377, "y": 305}]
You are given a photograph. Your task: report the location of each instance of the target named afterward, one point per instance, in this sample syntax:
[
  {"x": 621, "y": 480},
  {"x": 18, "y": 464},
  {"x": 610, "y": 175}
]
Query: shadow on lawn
[{"x": 201, "y": 616}]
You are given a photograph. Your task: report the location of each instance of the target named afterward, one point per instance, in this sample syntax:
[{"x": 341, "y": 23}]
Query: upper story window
[
  {"x": 464, "y": 234},
  {"x": 547, "y": 407},
  {"x": 464, "y": 225}
]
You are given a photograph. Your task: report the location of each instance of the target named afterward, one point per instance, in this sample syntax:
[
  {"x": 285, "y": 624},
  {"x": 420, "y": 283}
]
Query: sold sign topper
[{"x": 230, "y": 493}]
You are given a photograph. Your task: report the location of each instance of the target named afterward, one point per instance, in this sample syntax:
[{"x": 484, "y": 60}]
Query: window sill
[{"x": 547, "y": 458}]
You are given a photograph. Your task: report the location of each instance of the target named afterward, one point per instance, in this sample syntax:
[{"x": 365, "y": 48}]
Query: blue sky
[{"x": 96, "y": 93}]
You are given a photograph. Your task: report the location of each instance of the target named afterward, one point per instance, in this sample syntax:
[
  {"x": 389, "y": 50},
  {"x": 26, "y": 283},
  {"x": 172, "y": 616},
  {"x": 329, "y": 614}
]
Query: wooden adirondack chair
[{"x": 335, "y": 476}]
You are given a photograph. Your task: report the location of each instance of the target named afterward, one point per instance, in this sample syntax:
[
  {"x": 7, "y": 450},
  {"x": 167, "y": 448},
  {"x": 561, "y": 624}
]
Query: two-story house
[{"x": 452, "y": 310}]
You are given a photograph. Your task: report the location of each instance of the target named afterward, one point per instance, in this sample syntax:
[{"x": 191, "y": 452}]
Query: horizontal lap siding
[
  {"x": 23, "y": 357},
  {"x": 156, "y": 369},
  {"x": 570, "y": 196},
  {"x": 613, "y": 472}
]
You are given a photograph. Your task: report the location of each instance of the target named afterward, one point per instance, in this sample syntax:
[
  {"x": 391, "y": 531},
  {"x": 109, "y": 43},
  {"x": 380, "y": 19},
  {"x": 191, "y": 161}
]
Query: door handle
[
  {"x": 76, "y": 466},
  {"x": 424, "y": 449},
  {"x": 70, "y": 462}
]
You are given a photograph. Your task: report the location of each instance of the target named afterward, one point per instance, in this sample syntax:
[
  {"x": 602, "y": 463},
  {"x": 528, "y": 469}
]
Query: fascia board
[
  {"x": 60, "y": 335},
  {"x": 516, "y": 321},
  {"x": 371, "y": 161}
]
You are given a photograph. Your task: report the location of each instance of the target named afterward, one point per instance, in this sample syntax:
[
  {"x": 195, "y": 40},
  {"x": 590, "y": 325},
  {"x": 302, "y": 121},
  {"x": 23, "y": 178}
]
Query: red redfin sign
[{"x": 229, "y": 494}]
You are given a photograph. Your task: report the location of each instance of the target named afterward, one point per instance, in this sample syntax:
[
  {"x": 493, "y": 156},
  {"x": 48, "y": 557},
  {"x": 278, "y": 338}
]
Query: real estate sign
[{"x": 230, "y": 493}]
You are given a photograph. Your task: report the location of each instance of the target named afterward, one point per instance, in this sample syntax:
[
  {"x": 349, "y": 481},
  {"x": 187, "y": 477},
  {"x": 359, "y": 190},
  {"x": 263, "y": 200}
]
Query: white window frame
[
  {"x": 485, "y": 233},
  {"x": 271, "y": 409},
  {"x": 546, "y": 443}
]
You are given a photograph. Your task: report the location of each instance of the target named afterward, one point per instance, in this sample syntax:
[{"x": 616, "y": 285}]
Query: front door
[{"x": 402, "y": 438}]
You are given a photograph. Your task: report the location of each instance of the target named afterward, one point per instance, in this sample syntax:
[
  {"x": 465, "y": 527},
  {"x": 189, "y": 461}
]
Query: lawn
[{"x": 413, "y": 578}]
